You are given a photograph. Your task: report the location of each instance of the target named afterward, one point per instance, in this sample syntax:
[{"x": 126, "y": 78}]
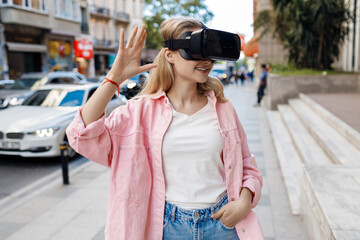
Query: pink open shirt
[{"x": 129, "y": 141}]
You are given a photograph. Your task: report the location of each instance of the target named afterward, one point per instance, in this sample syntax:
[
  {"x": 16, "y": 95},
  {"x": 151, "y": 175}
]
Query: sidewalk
[{"x": 78, "y": 211}]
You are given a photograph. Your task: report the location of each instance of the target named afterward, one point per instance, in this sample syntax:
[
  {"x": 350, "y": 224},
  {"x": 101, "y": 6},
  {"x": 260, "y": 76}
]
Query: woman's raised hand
[{"x": 127, "y": 61}]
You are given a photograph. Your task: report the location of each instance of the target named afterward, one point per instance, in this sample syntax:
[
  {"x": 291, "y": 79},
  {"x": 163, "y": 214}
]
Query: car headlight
[
  {"x": 45, "y": 132},
  {"x": 131, "y": 85},
  {"x": 16, "y": 101}
]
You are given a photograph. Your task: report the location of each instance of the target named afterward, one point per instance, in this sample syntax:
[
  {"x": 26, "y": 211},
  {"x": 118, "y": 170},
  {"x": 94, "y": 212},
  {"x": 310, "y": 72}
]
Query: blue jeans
[{"x": 196, "y": 224}]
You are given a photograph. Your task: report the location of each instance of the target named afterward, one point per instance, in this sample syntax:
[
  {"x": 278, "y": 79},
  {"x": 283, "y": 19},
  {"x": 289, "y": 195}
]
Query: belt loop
[{"x": 173, "y": 213}]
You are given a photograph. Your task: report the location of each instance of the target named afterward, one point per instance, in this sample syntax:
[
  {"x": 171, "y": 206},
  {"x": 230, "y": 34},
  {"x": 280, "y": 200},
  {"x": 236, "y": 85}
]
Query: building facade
[
  {"x": 349, "y": 59},
  {"x": 107, "y": 17},
  {"x": 47, "y": 35},
  {"x": 271, "y": 49}
]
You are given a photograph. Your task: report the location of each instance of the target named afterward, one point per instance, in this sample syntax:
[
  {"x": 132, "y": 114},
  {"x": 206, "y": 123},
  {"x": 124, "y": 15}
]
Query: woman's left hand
[{"x": 233, "y": 212}]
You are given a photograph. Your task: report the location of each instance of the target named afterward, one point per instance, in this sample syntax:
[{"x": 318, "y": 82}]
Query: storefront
[
  {"x": 84, "y": 55},
  {"x": 25, "y": 50},
  {"x": 60, "y": 53}
]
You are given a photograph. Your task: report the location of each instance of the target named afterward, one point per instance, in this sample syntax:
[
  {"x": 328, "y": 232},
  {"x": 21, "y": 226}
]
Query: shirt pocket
[{"x": 133, "y": 174}]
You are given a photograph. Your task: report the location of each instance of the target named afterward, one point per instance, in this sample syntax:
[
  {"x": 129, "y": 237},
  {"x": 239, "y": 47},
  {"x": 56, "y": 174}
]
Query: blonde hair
[{"x": 162, "y": 77}]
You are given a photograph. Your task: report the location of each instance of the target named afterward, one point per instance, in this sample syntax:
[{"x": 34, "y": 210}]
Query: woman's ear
[{"x": 169, "y": 56}]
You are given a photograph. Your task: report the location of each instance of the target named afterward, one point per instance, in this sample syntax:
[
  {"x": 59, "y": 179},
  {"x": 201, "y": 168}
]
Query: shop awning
[
  {"x": 26, "y": 47},
  {"x": 251, "y": 48}
]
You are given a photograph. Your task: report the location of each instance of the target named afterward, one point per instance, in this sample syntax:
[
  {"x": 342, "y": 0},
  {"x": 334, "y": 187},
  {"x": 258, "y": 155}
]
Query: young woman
[{"x": 180, "y": 164}]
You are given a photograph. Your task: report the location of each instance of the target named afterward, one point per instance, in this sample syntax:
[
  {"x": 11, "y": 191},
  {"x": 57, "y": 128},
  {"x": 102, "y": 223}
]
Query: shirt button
[
  {"x": 230, "y": 167},
  {"x": 197, "y": 215},
  {"x": 232, "y": 199},
  {"x": 225, "y": 135}
]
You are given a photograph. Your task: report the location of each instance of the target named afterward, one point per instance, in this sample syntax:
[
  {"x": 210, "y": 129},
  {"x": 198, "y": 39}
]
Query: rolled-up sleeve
[
  {"x": 93, "y": 141},
  {"x": 252, "y": 177}
]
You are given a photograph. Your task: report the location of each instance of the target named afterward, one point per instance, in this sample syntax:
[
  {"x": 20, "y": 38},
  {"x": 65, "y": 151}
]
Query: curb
[{"x": 30, "y": 191}]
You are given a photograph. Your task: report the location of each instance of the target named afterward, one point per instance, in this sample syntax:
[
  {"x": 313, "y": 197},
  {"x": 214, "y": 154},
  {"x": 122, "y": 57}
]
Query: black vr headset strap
[{"x": 174, "y": 44}]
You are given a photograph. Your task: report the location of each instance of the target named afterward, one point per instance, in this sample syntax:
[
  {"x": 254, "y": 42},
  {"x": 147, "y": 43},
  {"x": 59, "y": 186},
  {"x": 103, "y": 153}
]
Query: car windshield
[
  {"x": 56, "y": 98},
  {"x": 24, "y": 83}
]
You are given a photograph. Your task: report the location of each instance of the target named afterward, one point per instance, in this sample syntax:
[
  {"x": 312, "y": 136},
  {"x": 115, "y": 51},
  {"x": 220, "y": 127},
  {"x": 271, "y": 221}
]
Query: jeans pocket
[{"x": 223, "y": 225}]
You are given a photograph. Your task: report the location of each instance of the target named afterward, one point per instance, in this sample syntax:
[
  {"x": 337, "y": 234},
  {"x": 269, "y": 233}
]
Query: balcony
[
  {"x": 39, "y": 6},
  {"x": 100, "y": 12},
  {"x": 103, "y": 44},
  {"x": 122, "y": 17},
  {"x": 14, "y": 12}
]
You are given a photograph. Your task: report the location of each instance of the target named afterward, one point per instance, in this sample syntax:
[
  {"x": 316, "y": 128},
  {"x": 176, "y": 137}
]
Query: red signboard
[{"x": 84, "y": 48}]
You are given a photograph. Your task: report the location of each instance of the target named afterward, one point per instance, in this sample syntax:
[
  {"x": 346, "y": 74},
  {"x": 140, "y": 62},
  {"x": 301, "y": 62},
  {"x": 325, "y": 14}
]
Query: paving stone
[{"x": 8, "y": 228}]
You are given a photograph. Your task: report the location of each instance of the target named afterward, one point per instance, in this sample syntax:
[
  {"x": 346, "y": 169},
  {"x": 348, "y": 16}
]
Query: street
[
  {"x": 53, "y": 211},
  {"x": 17, "y": 173}
]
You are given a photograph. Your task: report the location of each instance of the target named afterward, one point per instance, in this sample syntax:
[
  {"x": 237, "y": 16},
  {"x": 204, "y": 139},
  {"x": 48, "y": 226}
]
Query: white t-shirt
[{"x": 194, "y": 171}]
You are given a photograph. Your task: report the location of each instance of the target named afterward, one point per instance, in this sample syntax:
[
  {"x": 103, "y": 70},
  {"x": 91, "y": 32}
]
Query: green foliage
[
  {"x": 288, "y": 70},
  {"x": 312, "y": 30},
  {"x": 159, "y": 10},
  {"x": 242, "y": 62}
]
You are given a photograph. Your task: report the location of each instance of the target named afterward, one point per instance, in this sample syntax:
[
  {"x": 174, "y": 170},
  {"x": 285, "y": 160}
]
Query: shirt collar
[{"x": 210, "y": 94}]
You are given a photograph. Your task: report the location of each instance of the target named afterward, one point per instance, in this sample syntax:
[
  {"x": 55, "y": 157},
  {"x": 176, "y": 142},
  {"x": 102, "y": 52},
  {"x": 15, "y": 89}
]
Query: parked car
[
  {"x": 37, "y": 127},
  {"x": 4, "y": 84},
  {"x": 28, "y": 82},
  {"x": 130, "y": 87},
  {"x": 97, "y": 78}
]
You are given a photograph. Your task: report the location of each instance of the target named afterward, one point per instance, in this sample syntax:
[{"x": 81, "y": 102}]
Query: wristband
[{"x": 112, "y": 82}]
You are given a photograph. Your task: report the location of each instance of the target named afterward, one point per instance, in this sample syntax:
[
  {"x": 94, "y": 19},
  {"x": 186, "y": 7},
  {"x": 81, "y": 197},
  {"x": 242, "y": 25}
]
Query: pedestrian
[
  {"x": 252, "y": 75},
  {"x": 262, "y": 85},
  {"x": 180, "y": 164},
  {"x": 236, "y": 77},
  {"x": 242, "y": 77}
]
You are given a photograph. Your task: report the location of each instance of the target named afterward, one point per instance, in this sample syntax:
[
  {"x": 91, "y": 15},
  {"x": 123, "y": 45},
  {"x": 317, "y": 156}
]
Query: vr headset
[{"x": 206, "y": 44}]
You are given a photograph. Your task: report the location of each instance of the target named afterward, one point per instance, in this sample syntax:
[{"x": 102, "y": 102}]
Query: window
[
  {"x": 37, "y": 5},
  {"x": 55, "y": 98},
  {"x": 68, "y": 9},
  {"x": 17, "y": 2}
]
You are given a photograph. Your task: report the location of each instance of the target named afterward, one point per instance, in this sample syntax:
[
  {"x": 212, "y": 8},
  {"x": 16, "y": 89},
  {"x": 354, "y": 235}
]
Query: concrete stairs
[{"x": 319, "y": 156}]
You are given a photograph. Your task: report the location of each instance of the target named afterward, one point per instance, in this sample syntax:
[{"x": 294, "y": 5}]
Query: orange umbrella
[
  {"x": 251, "y": 48},
  {"x": 242, "y": 41}
]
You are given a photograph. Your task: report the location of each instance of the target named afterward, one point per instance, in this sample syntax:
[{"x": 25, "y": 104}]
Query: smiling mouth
[{"x": 202, "y": 69}]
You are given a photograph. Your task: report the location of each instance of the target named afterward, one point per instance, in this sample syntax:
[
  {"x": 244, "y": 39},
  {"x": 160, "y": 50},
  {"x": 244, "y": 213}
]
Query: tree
[
  {"x": 159, "y": 10},
  {"x": 312, "y": 30}
]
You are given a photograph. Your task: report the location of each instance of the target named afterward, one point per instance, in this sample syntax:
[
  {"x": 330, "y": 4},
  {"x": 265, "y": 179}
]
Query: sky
[{"x": 233, "y": 16}]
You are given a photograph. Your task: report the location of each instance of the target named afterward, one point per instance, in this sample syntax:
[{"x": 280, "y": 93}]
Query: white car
[
  {"x": 37, "y": 127},
  {"x": 27, "y": 83}
]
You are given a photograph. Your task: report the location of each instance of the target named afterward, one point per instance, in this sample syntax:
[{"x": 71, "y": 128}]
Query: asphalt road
[{"x": 17, "y": 172}]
